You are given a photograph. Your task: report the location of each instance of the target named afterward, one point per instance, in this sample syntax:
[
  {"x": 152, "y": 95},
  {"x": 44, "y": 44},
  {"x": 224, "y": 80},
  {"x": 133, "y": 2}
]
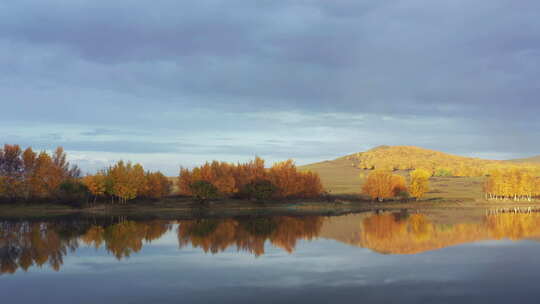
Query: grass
[{"x": 340, "y": 177}]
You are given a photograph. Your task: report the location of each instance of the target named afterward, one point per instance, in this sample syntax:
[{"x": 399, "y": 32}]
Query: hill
[
  {"x": 411, "y": 157},
  {"x": 345, "y": 175}
]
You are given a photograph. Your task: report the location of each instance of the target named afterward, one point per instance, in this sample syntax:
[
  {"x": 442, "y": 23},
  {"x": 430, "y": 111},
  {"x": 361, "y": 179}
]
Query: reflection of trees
[
  {"x": 514, "y": 226},
  {"x": 126, "y": 237},
  {"x": 25, "y": 244},
  {"x": 390, "y": 233},
  {"x": 248, "y": 233}
]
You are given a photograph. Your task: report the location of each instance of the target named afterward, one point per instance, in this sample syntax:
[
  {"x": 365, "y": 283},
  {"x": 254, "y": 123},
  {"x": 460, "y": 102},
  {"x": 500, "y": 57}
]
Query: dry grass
[
  {"x": 341, "y": 177},
  {"x": 338, "y": 176},
  {"x": 173, "y": 180}
]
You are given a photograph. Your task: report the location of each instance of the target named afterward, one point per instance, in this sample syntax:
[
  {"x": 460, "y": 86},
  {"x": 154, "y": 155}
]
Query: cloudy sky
[{"x": 170, "y": 83}]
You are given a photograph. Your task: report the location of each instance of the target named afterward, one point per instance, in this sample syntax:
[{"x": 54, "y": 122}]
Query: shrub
[
  {"x": 381, "y": 184},
  {"x": 443, "y": 172},
  {"x": 403, "y": 195},
  {"x": 259, "y": 190},
  {"x": 73, "y": 191},
  {"x": 203, "y": 190}
]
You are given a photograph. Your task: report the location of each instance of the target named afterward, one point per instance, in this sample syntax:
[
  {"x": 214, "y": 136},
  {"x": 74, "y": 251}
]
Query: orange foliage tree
[
  {"x": 157, "y": 185},
  {"x": 24, "y": 175},
  {"x": 381, "y": 185}
]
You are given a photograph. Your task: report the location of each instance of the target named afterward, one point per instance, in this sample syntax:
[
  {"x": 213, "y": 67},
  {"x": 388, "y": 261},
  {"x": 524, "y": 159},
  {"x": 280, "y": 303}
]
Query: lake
[{"x": 371, "y": 257}]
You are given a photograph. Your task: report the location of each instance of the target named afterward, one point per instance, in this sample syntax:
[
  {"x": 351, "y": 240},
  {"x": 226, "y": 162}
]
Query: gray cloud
[{"x": 455, "y": 75}]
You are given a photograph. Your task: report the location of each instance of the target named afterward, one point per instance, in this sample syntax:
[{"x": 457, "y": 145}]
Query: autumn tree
[
  {"x": 231, "y": 179},
  {"x": 512, "y": 183},
  {"x": 122, "y": 185},
  {"x": 259, "y": 190},
  {"x": 47, "y": 177},
  {"x": 157, "y": 185},
  {"x": 399, "y": 186},
  {"x": 11, "y": 171},
  {"x": 285, "y": 177},
  {"x": 419, "y": 183},
  {"x": 137, "y": 180},
  {"x": 203, "y": 190},
  {"x": 291, "y": 182},
  {"x": 29, "y": 158},
  {"x": 381, "y": 185},
  {"x": 67, "y": 170},
  {"x": 96, "y": 184}
]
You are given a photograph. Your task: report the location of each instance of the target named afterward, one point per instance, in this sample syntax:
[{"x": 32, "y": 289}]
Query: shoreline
[{"x": 172, "y": 208}]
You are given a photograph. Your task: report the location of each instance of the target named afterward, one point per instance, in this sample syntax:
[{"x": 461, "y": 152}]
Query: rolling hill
[{"x": 345, "y": 175}]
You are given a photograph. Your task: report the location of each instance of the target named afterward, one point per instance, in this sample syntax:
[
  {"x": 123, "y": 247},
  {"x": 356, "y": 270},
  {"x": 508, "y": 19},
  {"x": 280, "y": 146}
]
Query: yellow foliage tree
[
  {"x": 512, "y": 183},
  {"x": 419, "y": 184},
  {"x": 96, "y": 184}
]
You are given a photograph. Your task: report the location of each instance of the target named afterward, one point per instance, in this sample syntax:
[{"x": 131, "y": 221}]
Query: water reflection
[
  {"x": 393, "y": 234},
  {"x": 24, "y": 244},
  {"x": 247, "y": 233}
]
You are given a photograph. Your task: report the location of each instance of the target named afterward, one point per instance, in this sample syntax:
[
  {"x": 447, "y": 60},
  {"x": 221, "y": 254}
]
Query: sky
[{"x": 175, "y": 83}]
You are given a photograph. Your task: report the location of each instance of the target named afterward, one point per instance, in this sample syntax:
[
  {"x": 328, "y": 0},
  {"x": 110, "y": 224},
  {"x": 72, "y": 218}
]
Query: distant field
[
  {"x": 341, "y": 177},
  {"x": 173, "y": 180}
]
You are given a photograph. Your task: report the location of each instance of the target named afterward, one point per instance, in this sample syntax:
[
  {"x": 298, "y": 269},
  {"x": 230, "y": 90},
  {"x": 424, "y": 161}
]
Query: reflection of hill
[
  {"x": 345, "y": 229},
  {"x": 395, "y": 233},
  {"x": 386, "y": 234}
]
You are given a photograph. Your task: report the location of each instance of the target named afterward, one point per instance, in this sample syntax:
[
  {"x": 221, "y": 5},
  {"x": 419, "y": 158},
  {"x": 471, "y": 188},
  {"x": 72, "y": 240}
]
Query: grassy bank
[{"x": 176, "y": 208}]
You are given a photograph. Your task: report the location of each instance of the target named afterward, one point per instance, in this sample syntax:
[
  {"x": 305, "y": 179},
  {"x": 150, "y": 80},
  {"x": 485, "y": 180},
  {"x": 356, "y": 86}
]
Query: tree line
[
  {"x": 27, "y": 176},
  {"x": 125, "y": 181},
  {"x": 249, "y": 180},
  {"x": 26, "y": 244},
  {"x": 512, "y": 184}
]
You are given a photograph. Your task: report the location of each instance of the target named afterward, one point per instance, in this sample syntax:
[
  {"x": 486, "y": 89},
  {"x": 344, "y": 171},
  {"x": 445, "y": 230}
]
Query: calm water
[{"x": 360, "y": 258}]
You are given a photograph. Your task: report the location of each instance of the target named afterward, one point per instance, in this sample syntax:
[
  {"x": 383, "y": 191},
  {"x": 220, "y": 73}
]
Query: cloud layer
[{"x": 302, "y": 79}]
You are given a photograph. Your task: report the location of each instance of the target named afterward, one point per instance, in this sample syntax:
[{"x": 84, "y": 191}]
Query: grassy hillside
[
  {"x": 410, "y": 157},
  {"x": 345, "y": 175},
  {"x": 338, "y": 176}
]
